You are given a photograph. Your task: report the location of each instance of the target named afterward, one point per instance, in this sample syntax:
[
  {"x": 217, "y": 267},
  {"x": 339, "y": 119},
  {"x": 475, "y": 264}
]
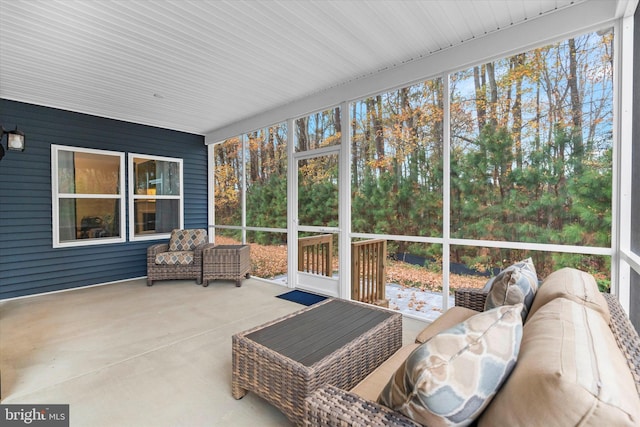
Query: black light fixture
[{"x": 15, "y": 140}]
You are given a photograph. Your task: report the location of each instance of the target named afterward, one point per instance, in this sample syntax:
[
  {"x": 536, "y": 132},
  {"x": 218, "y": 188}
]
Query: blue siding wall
[{"x": 28, "y": 262}]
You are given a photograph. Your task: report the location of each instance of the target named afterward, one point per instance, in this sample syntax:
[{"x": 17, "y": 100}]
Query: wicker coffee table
[{"x": 333, "y": 342}]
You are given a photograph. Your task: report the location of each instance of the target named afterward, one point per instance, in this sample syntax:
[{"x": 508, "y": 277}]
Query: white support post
[
  {"x": 446, "y": 192},
  {"x": 243, "y": 201},
  {"x": 622, "y": 168},
  {"x": 211, "y": 212},
  {"x": 344, "y": 204},
  {"x": 292, "y": 207}
]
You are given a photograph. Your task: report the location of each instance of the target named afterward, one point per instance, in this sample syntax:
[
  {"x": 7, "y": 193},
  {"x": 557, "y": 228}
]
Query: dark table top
[{"x": 312, "y": 335}]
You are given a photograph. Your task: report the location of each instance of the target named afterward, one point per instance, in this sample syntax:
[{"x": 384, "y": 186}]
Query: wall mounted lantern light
[{"x": 15, "y": 140}]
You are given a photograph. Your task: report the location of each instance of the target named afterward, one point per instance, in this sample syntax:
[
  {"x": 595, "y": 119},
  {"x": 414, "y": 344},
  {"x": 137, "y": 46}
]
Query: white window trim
[
  {"x": 133, "y": 197},
  {"x": 56, "y": 196}
]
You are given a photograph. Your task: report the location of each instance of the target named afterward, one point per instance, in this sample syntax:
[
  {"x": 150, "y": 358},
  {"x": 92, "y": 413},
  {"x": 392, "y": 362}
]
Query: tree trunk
[
  {"x": 493, "y": 95},
  {"x": 303, "y": 134},
  {"x": 576, "y": 108},
  {"x": 481, "y": 97},
  {"x": 354, "y": 147},
  {"x": 254, "y": 162},
  {"x": 518, "y": 62}
]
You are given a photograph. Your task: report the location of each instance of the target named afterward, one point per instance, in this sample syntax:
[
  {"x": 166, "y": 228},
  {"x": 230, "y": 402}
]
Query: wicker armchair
[
  {"x": 180, "y": 258},
  {"x": 332, "y": 406}
]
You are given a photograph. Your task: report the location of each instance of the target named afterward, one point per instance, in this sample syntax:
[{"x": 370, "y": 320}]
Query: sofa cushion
[
  {"x": 570, "y": 372},
  {"x": 515, "y": 284},
  {"x": 575, "y": 285},
  {"x": 175, "y": 258},
  {"x": 187, "y": 240},
  {"x": 448, "y": 319},
  {"x": 451, "y": 378}
]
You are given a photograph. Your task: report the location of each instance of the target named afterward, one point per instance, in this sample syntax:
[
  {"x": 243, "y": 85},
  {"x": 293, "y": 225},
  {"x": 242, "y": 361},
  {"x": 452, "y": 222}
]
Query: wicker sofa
[{"x": 539, "y": 390}]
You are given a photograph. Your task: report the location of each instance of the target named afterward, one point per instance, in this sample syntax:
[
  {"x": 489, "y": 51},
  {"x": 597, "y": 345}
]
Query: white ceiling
[{"x": 197, "y": 66}]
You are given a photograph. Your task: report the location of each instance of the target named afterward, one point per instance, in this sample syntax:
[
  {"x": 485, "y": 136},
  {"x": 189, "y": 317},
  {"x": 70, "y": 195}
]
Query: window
[
  {"x": 396, "y": 161},
  {"x": 155, "y": 196},
  {"x": 228, "y": 182},
  {"x": 266, "y": 177},
  {"x": 318, "y": 130},
  {"x": 87, "y": 196},
  {"x": 532, "y": 152}
]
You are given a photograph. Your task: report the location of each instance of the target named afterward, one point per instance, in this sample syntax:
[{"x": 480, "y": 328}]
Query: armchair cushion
[
  {"x": 451, "y": 378},
  {"x": 517, "y": 283},
  {"x": 187, "y": 240},
  {"x": 175, "y": 258}
]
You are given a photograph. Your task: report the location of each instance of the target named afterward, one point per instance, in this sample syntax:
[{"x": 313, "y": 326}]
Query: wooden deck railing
[
  {"x": 368, "y": 271},
  {"x": 314, "y": 254},
  {"x": 368, "y": 265}
]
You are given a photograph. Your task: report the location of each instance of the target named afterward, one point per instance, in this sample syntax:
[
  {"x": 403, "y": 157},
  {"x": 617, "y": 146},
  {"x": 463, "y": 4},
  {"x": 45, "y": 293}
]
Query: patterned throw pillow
[
  {"x": 451, "y": 378},
  {"x": 175, "y": 258},
  {"x": 515, "y": 284},
  {"x": 187, "y": 240}
]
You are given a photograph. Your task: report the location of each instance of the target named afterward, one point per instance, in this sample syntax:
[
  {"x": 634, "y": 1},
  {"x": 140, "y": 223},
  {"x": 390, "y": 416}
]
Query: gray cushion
[{"x": 515, "y": 284}]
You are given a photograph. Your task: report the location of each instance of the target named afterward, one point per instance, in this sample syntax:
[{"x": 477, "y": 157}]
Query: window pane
[
  {"x": 157, "y": 177},
  {"x": 396, "y": 162},
  {"x": 318, "y": 130},
  {"x": 266, "y": 160},
  {"x": 228, "y": 182},
  {"x": 88, "y": 173},
  {"x": 531, "y": 155},
  {"x": 318, "y": 191},
  {"x": 89, "y": 219},
  {"x": 156, "y": 215},
  {"x": 490, "y": 261},
  {"x": 268, "y": 255},
  {"x": 414, "y": 279}
]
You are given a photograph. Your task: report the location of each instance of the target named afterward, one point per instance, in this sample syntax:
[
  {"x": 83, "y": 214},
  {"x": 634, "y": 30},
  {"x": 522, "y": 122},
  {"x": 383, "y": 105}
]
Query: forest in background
[{"x": 531, "y": 157}]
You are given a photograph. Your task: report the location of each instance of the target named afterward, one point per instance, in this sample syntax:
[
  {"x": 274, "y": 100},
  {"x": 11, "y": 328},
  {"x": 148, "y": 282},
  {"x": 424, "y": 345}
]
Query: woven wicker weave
[
  {"x": 225, "y": 262},
  {"x": 333, "y": 406},
  {"x": 172, "y": 271},
  {"x": 626, "y": 337},
  {"x": 286, "y": 383},
  {"x": 470, "y": 298}
]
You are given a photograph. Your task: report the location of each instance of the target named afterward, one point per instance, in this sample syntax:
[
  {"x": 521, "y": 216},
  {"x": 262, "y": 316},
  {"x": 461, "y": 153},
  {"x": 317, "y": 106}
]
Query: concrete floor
[{"x": 128, "y": 355}]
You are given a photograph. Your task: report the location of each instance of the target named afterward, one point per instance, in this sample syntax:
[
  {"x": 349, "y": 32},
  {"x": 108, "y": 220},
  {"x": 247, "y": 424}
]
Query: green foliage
[{"x": 267, "y": 203}]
